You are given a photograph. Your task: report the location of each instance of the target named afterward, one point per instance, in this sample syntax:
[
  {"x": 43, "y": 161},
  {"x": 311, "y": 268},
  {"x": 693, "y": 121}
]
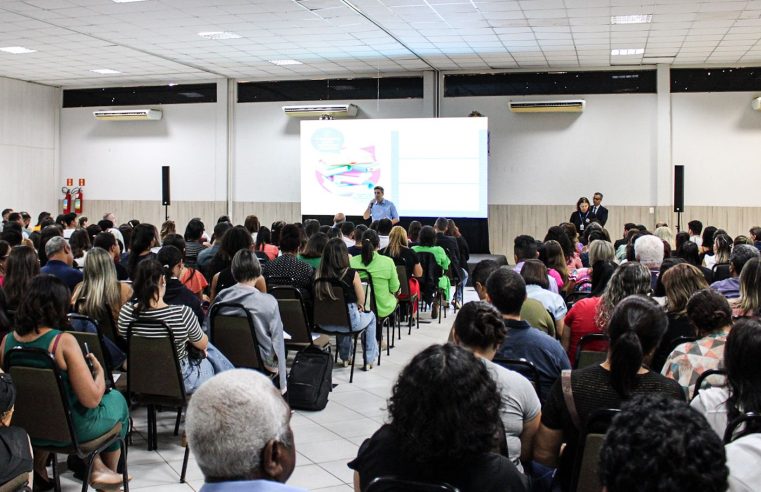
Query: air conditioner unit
[
  {"x": 317, "y": 110},
  {"x": 565, "y": 106},
  {"x": 756, "y": 104},
  {"x": 128, "y": 114}
]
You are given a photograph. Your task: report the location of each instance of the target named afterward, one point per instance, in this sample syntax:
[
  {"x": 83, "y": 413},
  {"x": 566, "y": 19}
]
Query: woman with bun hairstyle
[
  {"x": 635, "y": 328},
  {"x": 381, "y": 269}
]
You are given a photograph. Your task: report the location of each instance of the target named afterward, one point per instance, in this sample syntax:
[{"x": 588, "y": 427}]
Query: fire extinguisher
[
  {"x": 78, "y": 194},
  {"x": 66, "y": 199}
]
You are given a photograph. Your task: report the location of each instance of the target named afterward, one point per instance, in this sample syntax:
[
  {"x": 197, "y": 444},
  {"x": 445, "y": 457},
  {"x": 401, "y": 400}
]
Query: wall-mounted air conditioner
[
  {"x": 756, "y": 104},
  {"x": 128, "y": 114},
  {"x": 317, "y": 110},
  {"x": 564, "y": 106}
]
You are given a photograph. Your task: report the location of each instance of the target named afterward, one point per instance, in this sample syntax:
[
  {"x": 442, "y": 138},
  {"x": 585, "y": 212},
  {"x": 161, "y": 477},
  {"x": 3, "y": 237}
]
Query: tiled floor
[{"x": 325, "y": 440}]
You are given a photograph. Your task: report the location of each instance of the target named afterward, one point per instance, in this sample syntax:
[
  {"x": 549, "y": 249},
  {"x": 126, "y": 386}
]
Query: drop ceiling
[{"x": 157, "y": 41}]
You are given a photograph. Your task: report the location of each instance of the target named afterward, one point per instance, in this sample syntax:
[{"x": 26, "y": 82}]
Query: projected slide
[{"x": 428, "y": 167}]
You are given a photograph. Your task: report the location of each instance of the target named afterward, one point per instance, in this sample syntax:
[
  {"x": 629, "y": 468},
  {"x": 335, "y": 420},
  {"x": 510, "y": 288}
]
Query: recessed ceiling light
[
  {"x": 627, "y": 51},
  {"x": 219, "y": 35},
  {"x": 128, "y": 1},
  {"x": 631, "y": 19},
  {"x": 105, "y": 71},
  {"x": 17, "y": 50},
  {"x": 285, "y": 62}
]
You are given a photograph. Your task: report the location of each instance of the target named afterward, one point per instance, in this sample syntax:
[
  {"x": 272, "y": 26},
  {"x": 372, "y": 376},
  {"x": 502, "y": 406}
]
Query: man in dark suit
[{"x": 598, "y": 210}]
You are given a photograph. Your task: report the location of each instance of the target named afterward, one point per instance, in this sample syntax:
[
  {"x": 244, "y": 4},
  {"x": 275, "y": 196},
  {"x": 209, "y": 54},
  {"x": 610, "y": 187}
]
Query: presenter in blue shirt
[{"x": 380, "y": 208}]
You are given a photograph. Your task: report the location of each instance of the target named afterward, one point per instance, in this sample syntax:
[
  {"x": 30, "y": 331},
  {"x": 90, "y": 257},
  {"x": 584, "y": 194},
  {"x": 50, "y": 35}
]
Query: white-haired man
[
  {"x": 239, "y": 430},
  {"x": 649, "y": 251}
]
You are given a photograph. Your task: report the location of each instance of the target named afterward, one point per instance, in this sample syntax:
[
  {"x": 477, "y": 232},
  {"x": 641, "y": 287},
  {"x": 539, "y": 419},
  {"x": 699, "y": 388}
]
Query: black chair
[
  {"x": 585, "y": 477},
  {"x": 234, "y": 334},
  {"x": 392, "y": 484},
  {"x": 429, "y": 281},
  {"x": 329, "y": 313},
  {"x": 586, "y": 357},
  {"x": 408, "y": 301},
  {"x": 574, "y": 297},
  {"x": 703, "y": 378},
  {"x": 381, "y": 321},
  {"x": 720, "y": 271},
  {"x": 751, "y": 421},
  {"x": 293, "y": 314},
  {"x": 276, "y": 280},
  {"x": 523, "y": 367},
  {"x": 86, "y": 331},
  {"x": 38, "y": 379}
]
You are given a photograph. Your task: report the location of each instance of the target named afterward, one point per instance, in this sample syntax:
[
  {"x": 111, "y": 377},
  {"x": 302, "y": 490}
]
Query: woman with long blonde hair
[
  {"x": 398, "y": 250},
  {"x": 100, "y": 294}
]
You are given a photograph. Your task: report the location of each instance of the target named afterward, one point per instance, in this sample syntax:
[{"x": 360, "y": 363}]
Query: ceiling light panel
[
  {"x": 17, "y": 50},
  {"x": 631, "y": 19},
  {"x": 627, "y": 51},
  {"x": 219, "y": 35}
]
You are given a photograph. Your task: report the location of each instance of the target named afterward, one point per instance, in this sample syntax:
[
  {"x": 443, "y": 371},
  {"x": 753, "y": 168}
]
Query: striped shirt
[{"x": 180, "y": 319}]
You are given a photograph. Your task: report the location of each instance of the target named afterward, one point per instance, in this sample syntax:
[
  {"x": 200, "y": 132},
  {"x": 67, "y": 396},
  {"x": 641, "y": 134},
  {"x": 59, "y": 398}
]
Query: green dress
[{"x": 89, "y": 423}]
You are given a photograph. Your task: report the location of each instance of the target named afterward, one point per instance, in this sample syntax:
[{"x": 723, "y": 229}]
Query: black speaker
[
  {"x": 678, "y": 188},
  {"x": 165, "y": 200}
]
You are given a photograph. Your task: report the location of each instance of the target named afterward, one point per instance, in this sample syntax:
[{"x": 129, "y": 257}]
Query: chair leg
[
  {"x": 390, "y": 337},
  {"x": 177, "y": 422},
  {"x": 56, "y": 476},
  {"x": 123, "y": 463},
  {"x": 185, "y": 463},
  {"x": 86, "y": 480},
  {"x": 353, "y": 359}
]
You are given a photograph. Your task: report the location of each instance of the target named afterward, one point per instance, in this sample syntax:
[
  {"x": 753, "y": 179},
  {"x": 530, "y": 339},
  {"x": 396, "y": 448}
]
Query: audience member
[
  {"x": 384, "y": 229},
  {"x": 648, "y": 250},
  {"x": 149, "y": 286},
  {"x": 399, "y": 251},
  {"x": 339, "y": 218},
  {"x": 167, "y": 228},
  {"x": 383, "y": 272},
  {"x": 20, "y": 268},
  {"x": 665, "y": 234},
  {"x": 286, "y": 269},
  {"x": 176, "y": 293},
  {"x": 506, "y": 290},
  {"x": 478, "y": 327},
  {"x": 42, "y": 216},
  {"x": 635, "y": 328},
  {"x": 730, "y": 288},
  {"x": 193, "y": 241},
  {"x": 534, "y": 273},
  {"x": 335, "y": 266},
  {"x": 143, "y": 238},
  {"x": 525, "y": 248},
  {"x": 452, "y": 249},
  {"x": 5, "y": 250},
  {"x": 481, "y": 272},
  {"x": 219, "y": 270},
  {"x": 554, "y": 258},
  {"x": 252, "y": 225},
  {"x": 748, "y": 305},
  {"x": 643, "y": 453},
  {"x": 427, "y": 245},
  {"x": 413, "y": 230},
  {"x": 690, "y": 252},
  {"x": 694, "y": 229},
  {"x": 356, "y": 249},
  {"x": 464, "y": 255},
  {"x": 444, "y": 426},
  {"x": 80, "y": 244},
  {"x": 312, "y": 251},
  {"x": 39, "y": 318},
  {"x": 263, "y": 309},
  {"x": 190, "y": 277},
  {"x": 69, "y": 223},
  {"x": 59, "y": 262},
  {"x": 207, "y": 254},
  {"x": 108, "y": 242},
  {"x": 245, "y": 445},
  {"x": 347, "y": 233},
  {"x": 15, "y": 447}
]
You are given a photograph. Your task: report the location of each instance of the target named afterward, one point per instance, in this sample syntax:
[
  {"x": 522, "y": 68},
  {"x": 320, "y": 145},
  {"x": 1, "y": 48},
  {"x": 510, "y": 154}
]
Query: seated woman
[
  {"x": 150, "y": 286},
  {"x": 537, "y": 287},
  {"x": 80, "y": 246},
  {"x": 194, "y": 233},
  {"x": 247, "y": 271},
  {"x": 554, "y": 259},
  {"x": 721, "y": 405},
  {"x": 335, "y": 265},
  {"x": 710, "y": 313},
  {"x": 635, "y": 328},
  {"x": 142, "y": 241},
  {"x": 748, "y": 305},
  {"x": 21, "y": 267},
  {"x": 383, "y": 271},
  {"x": 680, "y": 282},
  {"x": 177, "y": 294},
  {"x": 94, "y": 412},
  {"x": 402, "y": 255},
  {"x": 15, "y": 448},
  {"x": 219, "y": 271},
  {"x": 312, "y": 251},
  {"x": 444, "y": 426},
  {"x": 427, "y": 244},
  {"x": 190, "y": 277},
  {"x": 286, "y": 269},
  {"x": 479, "y": 328},
  {"x": 263, "y": 243}
]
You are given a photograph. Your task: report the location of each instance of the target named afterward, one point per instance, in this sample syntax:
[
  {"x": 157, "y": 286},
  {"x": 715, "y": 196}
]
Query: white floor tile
[
  {"x": 322, "y": 452},
  {"x": 312, "y": 477}
]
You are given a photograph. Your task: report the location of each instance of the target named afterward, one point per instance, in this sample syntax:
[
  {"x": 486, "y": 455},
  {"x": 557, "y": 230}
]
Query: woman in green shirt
[
  {"x": 383, "y": 271},
  {"x": 426, "y": 244},
  {"x": 312, "y": 252}
]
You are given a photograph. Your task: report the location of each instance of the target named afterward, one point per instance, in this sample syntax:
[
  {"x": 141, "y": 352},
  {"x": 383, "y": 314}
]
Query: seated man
[
  {"x": 694, "y": 228},
  {"x": 730, "y": 287},
  {"x": 649, "y": 251},
  {"x": 264, "y": 310},
  {"x": 659, "y": 443},
  {"x": 59, "y": 262},
  {"x": 524, "y": 248},
  {"x": 506, "y": 290},
  {"x": 239, "y": 430}
]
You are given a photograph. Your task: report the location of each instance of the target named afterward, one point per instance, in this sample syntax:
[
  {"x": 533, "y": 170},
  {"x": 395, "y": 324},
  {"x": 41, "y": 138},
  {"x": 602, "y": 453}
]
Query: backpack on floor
[{"x": 311, "y": 379}]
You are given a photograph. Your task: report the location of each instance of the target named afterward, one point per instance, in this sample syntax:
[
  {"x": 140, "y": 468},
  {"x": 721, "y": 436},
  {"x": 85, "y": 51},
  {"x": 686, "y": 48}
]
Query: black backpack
[{"x": 311, "y": 379}]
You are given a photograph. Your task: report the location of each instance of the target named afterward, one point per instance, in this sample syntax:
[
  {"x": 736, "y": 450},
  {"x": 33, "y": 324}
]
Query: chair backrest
[
  {"x": 585, "y": 356},
  {"x": 429, "y": 281},
  {"x": 751, "y": 422},
  {"x": 703, "y": 378},
  {"x": 233, "y": 332},
  {"x": 331, "y": 312},
  {"x": 105, "y": 323},
  {"x": 262, "y": 256},
  {"x": 523, "y": 367},
  {"x": 153, "y": 370},
  {"x": 574, "y": 297},
  {"x": 585, "y": 476},
  {"x": 38, "y": 379},
  {"x": 275, "y": 280},
  {"x": 390, "y": 483},
  {"x": 720, "y": 271},
  {"x": 293, "y": 313},
  {"x": 86, "y": 330},
  {"x": 404, "y": 280}
]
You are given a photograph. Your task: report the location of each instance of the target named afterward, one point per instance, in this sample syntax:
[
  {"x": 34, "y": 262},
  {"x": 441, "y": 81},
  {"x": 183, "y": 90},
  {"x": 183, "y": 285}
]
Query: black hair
[
  {"x": 264, "y": 236},
  {"x": 741, "y": 355},
  {"x": 69, "y": 218},
  {"x": 427, "y": 236},
  {"x": 660, "y": 290},
  {"x": 11, "y": 234},
  {"x": 374, "y": 225},
  {"x": 695, "y": 226},
  {"x": 482, "y": 270},
  {"x": 251, "y": 224},
  {"x": 14, "y": 216},
  {"x": 169, "y": 257},
  {"x": 224, "y": 218},
  {"x": 479, "y": 325},
  {"x": 219, "y": 230},
  {"x": 709, "y": 311},
  {"x": 660, "y": 444},
  {"x": 708, "y": 234},
  {"x": 358, "y": 231},
  {"x": 557, "y": 233},
  {"x": 42, "y": 216},
  {"x": 524, "y": 247},
  {"x": 680, "y": 239},
  {"x": 104, "y": 240},
  {"x": 174, "y": 240},
  {"x": 146, "y": 284},
  {"x": 507, "y": 290},
  {"x": 93, "y": 230},
  {"x": 347, "y": 227},
  {"x": 441, "y": 224},
  {"x": 413, "y": 231},
  {"x": 45, "y": 235},
  {"x": 194, "y": 230},
  {"x": 315, "y": 245},
  {"x": 370, "y": 242},
  {"x": 629, "y": 225},
  {"x": 534, "y": 272},
  {"x": 384, "y": 227},
  {"x": 80, "y": 243},
  {"x": 444, "y": 407},
  {"x": 277, "y": 226},
  {"x": 290, "y": 238},
  {"x": 45, "y": 304},
  {"x": 740, "y": 256},
  {"x": 20, "y": 268},
  {"x": 690, "y": 253},
  {"x": 311, "y": 227},
  {"x": 105, "y": 224},
  {"x": 234, "y": 240},
  {"x": 602, "y": 271},
  {"x": 143, "y": 237},
  {"x": 324, "y": 229},
  {"x": 635, "y": 329}
]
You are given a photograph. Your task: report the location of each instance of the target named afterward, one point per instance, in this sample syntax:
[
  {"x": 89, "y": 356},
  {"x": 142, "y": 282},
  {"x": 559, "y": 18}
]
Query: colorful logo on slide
[{"x": 348, "y": 171}]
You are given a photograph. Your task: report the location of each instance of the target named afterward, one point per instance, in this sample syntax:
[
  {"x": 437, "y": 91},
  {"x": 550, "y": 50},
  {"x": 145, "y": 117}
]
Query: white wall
[
  {"x": 122, "y": 160},
  {"x": 717, "y": 137},
  {"x": 28, "y": 145}
]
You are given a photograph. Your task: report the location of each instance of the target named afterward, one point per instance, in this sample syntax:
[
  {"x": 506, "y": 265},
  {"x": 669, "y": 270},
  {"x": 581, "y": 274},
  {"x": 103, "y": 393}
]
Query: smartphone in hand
[{"x": 88, "y": 361}]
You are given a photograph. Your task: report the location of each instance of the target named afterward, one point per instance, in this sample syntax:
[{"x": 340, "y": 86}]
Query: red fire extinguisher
[
  {"x": 78, "y": 196},
  {"x": 66, "y": 199}
]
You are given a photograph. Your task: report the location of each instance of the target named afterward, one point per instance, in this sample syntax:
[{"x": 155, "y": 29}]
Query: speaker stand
[
  {"x": 678, "y": 222},
  {"x": 166, "y": 213}
]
